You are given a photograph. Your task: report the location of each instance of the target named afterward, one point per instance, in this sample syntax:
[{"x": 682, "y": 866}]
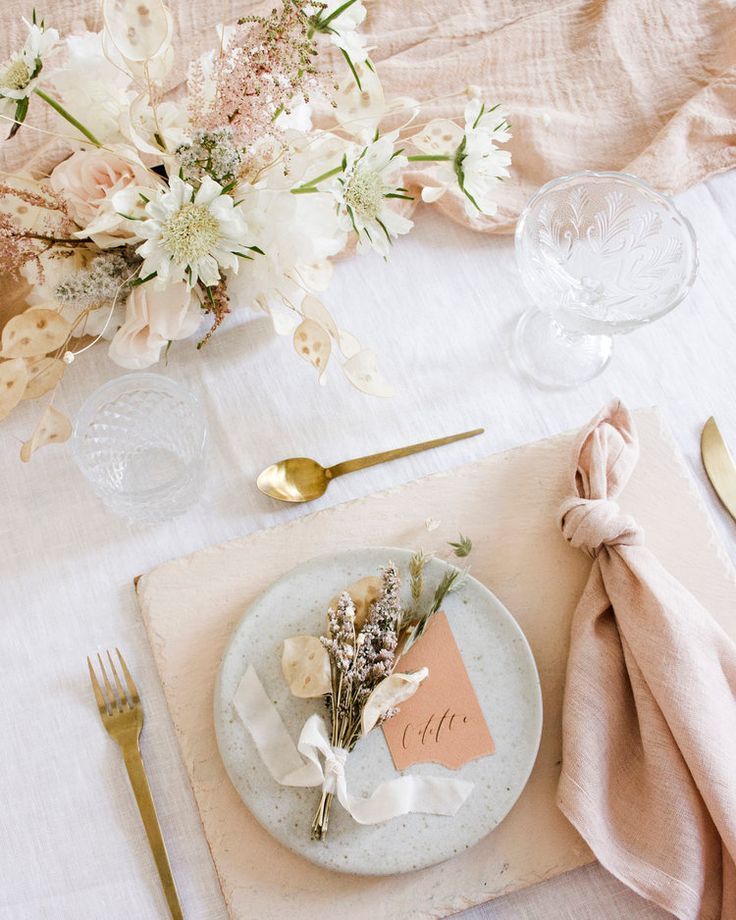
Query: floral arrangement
[
  {"x": 234, "y": 190},
  {"x": 354, "y": 665}
]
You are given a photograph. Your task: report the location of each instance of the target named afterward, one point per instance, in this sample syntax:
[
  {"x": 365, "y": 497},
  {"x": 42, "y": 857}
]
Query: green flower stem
[
  {"x": 337, "y": 12},
  {"x": 70, "y": 118},
  {"x": 309, "y": 186},
  {"x": 429, "y": 158}
]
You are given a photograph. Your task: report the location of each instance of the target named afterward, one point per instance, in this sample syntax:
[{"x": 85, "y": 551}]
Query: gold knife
[{"x": 719, "y": 465}]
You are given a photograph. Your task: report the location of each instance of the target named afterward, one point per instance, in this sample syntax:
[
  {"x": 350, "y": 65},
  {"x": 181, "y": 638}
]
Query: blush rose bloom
[
  {"x": 153, "y": 318},
  {"x": 93, "y": 183}
]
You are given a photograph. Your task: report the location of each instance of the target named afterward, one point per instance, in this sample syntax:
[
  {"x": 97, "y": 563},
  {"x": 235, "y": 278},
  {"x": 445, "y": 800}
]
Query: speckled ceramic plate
[{"x": 503, "y": 673}]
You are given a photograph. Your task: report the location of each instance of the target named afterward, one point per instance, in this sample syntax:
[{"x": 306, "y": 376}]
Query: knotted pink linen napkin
[{"x": 649, "y": 718}]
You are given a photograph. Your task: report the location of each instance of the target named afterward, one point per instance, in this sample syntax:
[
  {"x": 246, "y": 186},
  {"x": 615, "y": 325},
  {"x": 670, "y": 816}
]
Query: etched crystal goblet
[
  {"x": 139, "y": 439},
  {"x": 600, "y": 253}
]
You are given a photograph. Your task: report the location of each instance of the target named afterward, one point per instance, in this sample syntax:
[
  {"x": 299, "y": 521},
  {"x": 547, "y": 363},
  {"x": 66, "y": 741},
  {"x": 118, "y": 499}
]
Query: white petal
[
  {"x": 207, "y": 270},
  {"x": 208, "y": 191}
]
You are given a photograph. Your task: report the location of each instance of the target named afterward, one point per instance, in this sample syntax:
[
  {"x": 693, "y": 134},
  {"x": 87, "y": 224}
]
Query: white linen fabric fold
[{"x": 302, "y": 764}]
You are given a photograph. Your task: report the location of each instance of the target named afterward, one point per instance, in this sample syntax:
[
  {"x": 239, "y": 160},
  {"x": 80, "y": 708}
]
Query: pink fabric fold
[{"x": 649, "y": 720}]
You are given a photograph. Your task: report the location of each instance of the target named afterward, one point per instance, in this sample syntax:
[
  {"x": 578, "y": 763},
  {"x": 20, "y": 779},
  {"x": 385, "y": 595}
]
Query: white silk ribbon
[{"x": 315, "y": 762}]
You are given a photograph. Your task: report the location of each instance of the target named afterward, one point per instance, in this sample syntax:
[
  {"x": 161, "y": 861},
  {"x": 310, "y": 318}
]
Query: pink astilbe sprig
[
  {"x": 52, "y": 226},
  {"x": 267, "y": 63}
]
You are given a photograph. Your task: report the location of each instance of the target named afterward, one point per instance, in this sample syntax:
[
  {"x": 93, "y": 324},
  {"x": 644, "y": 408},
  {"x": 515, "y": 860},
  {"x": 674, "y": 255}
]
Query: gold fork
[{"x": 122, "y": 716}]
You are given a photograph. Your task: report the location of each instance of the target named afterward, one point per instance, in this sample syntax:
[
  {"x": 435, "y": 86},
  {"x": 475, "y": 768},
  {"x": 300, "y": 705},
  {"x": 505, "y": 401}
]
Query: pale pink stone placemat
[{"x": 508, "y": 502}]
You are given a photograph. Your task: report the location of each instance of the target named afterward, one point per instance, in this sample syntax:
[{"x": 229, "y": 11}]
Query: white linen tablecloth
[{"x": 439, "y": 313}]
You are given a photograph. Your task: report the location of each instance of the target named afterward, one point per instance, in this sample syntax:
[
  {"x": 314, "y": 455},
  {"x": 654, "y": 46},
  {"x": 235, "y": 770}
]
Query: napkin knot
[{"x": 592, "y": 523}]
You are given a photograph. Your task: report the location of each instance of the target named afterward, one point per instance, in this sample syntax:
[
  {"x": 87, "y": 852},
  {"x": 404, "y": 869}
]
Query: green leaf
[
  {"x": 383, "y": 227},
  {"x": 136, "y": 281},
  {"x": 352, "y": 69},
  {"x": 336, "y": 12},
  {"x": 21, "y": 110}
]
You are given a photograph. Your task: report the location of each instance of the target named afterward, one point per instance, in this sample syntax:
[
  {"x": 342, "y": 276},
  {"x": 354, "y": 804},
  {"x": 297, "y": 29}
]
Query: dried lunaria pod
[
  {"x": 349, "y": 345},
  {"x": 391, "y": 692},
  {"x": 43, "y": 375},
  {"x": 13, "y": 381},
  {"x": 312, "y": 308},
  {"x": 317, "y": 277},
  {"x": 362, "y": 371},
  {"x": 363, "y": 593},
  {"x": 53, "y": 428},
  {"x": 306, "y": 666},
  {"x": 33, "y": 333},
  {"x": 439, "y": 136},
  {"x": 139, "y": 31},
  {"x": 312, "y": 343},
  {"x": 359, "y": 109}
]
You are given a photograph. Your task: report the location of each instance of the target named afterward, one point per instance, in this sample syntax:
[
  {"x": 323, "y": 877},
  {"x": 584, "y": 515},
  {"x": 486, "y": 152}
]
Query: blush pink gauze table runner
[
  {"x": 636, "y": 85},
  {"x": 508, "y": 503}
]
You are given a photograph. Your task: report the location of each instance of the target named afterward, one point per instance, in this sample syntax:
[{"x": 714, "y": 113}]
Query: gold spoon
[{"x": 300, "y": 479}]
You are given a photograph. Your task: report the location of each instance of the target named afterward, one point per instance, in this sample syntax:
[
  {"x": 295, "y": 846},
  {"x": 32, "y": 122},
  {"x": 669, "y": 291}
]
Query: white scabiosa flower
[
  {"x": 192, "y": 236},
  {"x": 480, "y": 164},
  {"x": 340, "y": 20},
  {"x": 472, "y": 160},
  {"x": 19, "y": 73},
  {"x": 364, "y": 190}
]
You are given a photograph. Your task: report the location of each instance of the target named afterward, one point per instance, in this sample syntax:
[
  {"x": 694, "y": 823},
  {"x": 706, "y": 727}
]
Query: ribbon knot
[
  {"x": 592, "y": 523},
  {"x": 334, "y": 768}
]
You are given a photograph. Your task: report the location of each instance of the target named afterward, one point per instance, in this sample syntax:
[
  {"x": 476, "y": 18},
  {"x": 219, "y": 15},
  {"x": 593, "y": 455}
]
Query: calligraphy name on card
[{"x": 442, "y": 722}]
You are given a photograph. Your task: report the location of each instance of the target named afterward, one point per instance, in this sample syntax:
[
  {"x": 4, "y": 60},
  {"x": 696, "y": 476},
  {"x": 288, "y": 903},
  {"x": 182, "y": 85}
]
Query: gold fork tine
[
  {"x": 132, "y": 689},
  {"x": 99, "y": 696},
  {"x": 111, "y": 695},
  {"x": 121, "y": 692}
]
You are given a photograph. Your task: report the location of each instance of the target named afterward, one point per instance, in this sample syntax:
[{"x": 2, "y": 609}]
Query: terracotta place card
[{"x": 443, "y": 722}]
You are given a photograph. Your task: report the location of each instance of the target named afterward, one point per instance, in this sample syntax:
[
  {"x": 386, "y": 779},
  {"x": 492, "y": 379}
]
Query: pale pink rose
[
  {"x": 89, "y": 179},
  {"x": 153, "y": 318}
]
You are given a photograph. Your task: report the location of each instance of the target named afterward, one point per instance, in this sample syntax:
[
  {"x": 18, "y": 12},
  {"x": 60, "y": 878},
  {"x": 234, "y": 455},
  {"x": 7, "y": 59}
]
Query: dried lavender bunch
[{"x": 359, "y": 661}]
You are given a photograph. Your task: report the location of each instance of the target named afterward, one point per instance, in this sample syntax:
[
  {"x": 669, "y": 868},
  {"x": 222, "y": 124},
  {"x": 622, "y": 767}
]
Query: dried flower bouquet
[
  {"x": 354, "y": 665},
  {"x": 169, "y": 207}
]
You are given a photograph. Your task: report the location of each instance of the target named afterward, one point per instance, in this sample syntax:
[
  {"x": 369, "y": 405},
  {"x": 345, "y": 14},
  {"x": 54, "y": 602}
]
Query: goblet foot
[{"x": 554, "y": 357}]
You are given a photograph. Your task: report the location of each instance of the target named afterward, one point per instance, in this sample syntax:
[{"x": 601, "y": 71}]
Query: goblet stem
[{"x": 554, "y": 356}]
